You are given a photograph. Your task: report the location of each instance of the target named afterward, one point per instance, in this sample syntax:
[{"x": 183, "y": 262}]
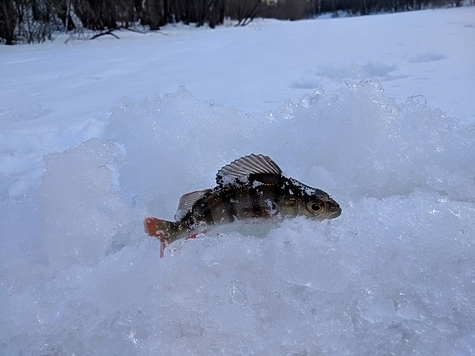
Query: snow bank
[{"x": 392, "y": 275}]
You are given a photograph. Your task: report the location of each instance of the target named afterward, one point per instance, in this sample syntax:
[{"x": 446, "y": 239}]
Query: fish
[{"x": 251, "y": 187}]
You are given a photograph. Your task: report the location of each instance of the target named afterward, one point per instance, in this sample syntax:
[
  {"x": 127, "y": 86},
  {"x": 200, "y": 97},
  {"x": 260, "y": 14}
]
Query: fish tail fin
[{"x": 163, "y": 230}]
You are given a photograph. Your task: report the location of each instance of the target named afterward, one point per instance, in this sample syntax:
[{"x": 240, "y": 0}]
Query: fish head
[
  {"x": 300, "y": 199},
  {"x": 320, "y": 206}
]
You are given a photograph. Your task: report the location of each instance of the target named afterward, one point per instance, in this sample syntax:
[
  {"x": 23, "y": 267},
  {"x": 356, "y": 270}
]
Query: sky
[{"x": 96, "y": 135}]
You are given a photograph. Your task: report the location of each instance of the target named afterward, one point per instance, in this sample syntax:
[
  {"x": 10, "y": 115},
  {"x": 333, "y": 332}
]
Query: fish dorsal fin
[
  {"x": 242, "y": 168},
  {"x": 187, "y": 201}
]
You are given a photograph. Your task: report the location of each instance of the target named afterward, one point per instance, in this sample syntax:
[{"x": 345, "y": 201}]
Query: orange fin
[{"x": 154, "y": 227}]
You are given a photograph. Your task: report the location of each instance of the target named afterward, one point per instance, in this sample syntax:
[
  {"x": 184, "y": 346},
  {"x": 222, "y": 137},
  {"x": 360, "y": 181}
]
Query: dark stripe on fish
[
  {"x": 231, "y": 207},
  {"x": 208, "y": 216},
  {"x": 277, "y": 193},
  {"x": 254, "y": 195},
  {"x": 204, "y": 210}
]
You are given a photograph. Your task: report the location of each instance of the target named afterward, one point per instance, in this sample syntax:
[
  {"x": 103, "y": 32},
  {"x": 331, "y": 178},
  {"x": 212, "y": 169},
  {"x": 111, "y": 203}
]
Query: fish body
[{"x": 250, "y": 187}]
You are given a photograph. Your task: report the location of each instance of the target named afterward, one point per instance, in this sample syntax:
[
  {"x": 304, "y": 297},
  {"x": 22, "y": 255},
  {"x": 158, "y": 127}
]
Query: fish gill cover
[{"x": 392, "y": 275}]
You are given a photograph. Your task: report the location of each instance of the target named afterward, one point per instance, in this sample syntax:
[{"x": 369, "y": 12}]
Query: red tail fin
[{"x": 155, "y": 227}]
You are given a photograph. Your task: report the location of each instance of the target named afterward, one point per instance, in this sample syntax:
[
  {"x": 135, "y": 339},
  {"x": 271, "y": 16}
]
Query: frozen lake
[{"x": 378, "y": 111}]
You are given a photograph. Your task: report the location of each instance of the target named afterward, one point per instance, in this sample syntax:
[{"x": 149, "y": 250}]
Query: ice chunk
[
  {"x": 81, "y": 210},
  {"x": 392, "y": 275}
]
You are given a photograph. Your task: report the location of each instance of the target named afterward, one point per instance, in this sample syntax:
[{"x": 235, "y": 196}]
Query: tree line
[{"x": 29, "y": 21}]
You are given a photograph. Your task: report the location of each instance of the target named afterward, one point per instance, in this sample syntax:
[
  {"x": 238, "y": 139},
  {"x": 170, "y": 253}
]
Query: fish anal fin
[
  {"x": 192, "y": 236},
  {"x": 187, "y": 201},
  {"x": 242, "y": 168}
]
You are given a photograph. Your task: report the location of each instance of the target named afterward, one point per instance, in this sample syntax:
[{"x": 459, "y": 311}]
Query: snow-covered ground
[{"x": 378, "y": 111}]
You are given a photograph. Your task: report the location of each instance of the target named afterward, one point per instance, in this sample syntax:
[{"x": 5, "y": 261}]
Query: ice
[
  {"x": 352, "y": 71},
  {"x": 392, "y": 275},
  {"x": 425, "y": 57},
  {"x": 83, "y": 212}
]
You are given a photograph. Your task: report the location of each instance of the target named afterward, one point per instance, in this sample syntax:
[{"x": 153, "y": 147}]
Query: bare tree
[
  {"x": 8, "y": 21},
  {"x": 37, "y": 20},
  {"x": 244, "y": 11}
]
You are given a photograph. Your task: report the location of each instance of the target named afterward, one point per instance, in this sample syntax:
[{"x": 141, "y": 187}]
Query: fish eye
[{"x": 316, "y": 207}]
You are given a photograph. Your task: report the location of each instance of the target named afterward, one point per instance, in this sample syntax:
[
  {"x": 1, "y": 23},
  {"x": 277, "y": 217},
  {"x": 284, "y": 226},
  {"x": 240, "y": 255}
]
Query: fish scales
[
  {"x": 250, "y": 187},
  {"x": 233, "y": 203}
]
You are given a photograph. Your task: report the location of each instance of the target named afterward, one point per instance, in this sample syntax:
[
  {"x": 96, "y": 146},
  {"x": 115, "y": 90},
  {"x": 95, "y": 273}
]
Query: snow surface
[{"x": 395, "y": 146}]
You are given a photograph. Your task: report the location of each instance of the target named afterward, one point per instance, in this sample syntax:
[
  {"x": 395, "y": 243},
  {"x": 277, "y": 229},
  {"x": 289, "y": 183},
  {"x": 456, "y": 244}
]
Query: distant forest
[{"x": 30, "y": 21}]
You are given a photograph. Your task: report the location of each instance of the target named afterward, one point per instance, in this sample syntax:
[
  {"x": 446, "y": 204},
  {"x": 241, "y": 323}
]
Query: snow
[{"x": 97, "y": 135}]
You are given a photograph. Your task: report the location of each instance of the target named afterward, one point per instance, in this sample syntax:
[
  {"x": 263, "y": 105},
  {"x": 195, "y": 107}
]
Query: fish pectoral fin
[{"x": 243, "y": 167}]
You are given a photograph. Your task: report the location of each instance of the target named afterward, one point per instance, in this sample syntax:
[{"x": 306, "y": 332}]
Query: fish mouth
[{"x": 335, "y": 214}]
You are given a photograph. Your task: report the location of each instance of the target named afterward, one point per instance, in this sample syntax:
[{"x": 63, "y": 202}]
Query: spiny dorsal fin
[
  {"x": 241, "y": 168},
  {"x": 187, "y": 201}
]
